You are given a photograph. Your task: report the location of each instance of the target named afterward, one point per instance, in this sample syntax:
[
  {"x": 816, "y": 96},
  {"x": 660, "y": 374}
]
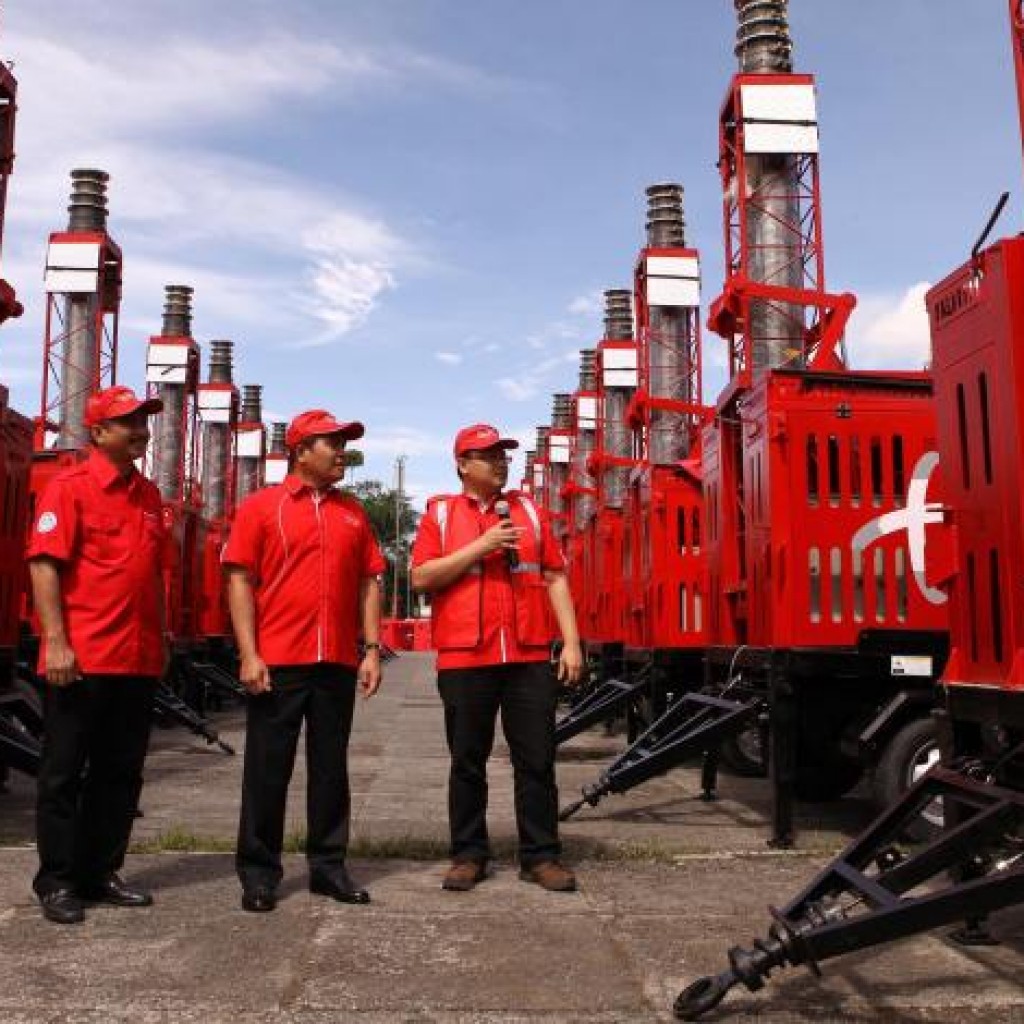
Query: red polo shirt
[
  {"x": 498, "y": 644},
  {"x": 107, "y": 533},
  {"x": 307, "y": 553}
]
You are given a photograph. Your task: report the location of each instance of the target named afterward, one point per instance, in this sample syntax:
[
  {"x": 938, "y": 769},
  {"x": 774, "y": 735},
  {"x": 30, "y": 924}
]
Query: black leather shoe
[
  {"x": 116, "y": 892},
  {"x": 62, "y": 906},
  {"x": 339, "y": 887},
  {"x": 261, "y": 899}
]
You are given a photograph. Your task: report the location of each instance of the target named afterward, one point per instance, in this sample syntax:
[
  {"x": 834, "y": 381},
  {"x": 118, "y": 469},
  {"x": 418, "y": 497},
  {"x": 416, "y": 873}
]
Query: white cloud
[
  {"x": 450, "y": 358},
  {"x": 518, "y": 389},
  {"x": 180, "y": 206},
  {"x": 553, "y": 332},
  {"x": 552, "y": 374},
  {"x": 345, "y": 292},
  {"x": 889, "y": 332},
  {"x": 392, "y": 441},
  {"x": 589, "y": 304},
  {"x": 116, "y": 81},
  {"x": 109, "y": 85}
]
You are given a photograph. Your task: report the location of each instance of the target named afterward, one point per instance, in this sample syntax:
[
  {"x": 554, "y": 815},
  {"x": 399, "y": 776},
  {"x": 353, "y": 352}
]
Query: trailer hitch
[
  {"x": 783, "y": 947},
  {"x": 694, "y": 724},
  {"x": 874, "y": 892}
]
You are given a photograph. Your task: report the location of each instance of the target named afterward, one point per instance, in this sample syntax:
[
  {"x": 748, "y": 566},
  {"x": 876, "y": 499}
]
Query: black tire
[
  {"x": 743, "y": 755},
  {"x": 819, "y": 783},
  {"x": 908, "y": 754}
]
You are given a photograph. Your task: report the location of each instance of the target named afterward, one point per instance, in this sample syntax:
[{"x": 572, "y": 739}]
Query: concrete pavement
[{"x": 667, "y": 884}]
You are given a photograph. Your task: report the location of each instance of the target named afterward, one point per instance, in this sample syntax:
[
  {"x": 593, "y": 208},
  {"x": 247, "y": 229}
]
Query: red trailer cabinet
[
  {"x": 724, "y": 546},
  {"x": 609, "y": 611},
  {"x": 826, "y": 544},
  {"x": 841, "y": 507},
  {"x": 611, "y": 463},
  {"x": 977, "y": 320},
  {"x": 666, "y": 601}
]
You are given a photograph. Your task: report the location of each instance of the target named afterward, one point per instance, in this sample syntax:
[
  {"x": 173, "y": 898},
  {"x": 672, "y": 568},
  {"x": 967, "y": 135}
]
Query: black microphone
[{"x": 505, "y": 515}]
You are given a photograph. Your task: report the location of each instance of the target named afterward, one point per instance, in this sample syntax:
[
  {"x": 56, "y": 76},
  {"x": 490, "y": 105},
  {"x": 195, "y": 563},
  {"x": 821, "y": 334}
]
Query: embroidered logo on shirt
[{"x": 47, "y": 523}]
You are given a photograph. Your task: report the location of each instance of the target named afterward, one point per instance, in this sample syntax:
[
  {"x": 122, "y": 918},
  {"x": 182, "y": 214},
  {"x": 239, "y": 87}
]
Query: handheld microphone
[{"x": 504, "y": 513}]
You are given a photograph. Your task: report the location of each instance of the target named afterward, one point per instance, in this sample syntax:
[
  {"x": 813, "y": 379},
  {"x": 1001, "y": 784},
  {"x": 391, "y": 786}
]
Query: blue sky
[{"x": 406, "y": 210}]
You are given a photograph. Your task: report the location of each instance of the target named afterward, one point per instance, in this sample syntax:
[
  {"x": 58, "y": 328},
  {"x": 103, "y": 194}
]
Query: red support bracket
[
  {"x": 821, "y": 341},
  {"x": 596, "y": 462},
  {"x": 642, "y": 401},
  {"x": 573, "y": 490}
]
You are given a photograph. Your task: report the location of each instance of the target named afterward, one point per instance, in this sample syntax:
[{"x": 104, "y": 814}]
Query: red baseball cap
[
  {"x": 480, "y": 437},
  {"x": 317, "y": 423},
  {"x": 113, "y": 403}
]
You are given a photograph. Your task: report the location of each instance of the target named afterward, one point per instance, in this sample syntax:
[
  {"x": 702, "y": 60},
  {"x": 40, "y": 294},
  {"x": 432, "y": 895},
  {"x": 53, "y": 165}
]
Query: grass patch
[
  {"x": 294, "y": 841},
  {"x": 400, "y": 848},
  {"x": 180, "y": 839}
]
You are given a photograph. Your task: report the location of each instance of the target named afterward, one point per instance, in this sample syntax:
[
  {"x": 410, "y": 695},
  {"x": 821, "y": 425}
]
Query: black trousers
[
  {"x": 322, "y": 696},
  {"x": 525, "y": 695},
  {"x": 96, "y": 732}
]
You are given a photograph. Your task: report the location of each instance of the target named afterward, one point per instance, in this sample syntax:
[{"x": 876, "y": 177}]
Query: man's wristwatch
[{"x": 372, "y": 646}]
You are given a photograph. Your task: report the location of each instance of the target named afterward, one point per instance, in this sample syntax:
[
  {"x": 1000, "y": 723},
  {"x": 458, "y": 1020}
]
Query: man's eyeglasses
[{"x": 493, "y": 456}]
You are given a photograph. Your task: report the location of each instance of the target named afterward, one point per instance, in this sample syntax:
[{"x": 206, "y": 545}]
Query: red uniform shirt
[
  {"x": 107, "y": 532},
  {"x": 307, "y": 553},
  {"x": 498, "y": 645}
]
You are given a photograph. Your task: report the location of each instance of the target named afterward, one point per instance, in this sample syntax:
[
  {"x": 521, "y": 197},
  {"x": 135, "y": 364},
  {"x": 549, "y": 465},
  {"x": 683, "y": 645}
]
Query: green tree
[{"x": 381, "y": 504}]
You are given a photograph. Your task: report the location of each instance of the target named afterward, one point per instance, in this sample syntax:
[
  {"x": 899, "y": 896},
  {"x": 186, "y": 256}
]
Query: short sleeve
[
  {"x": 244, "y": 542},
  {"x": 55, "y": 530},
  {"x": 552, "y": 558},
  {"x": 427, "y": 545}
]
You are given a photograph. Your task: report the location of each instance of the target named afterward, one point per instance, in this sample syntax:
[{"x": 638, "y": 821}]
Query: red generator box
[
  {"x": 977, "y": 321},
  {"x": 664, "y": 560},
  {"x": 607, "y": 605},
  {"x": 183, "y": 569},
  {"x": 212, "y": 619},
  {"x": 835, "y": 524},
  {"x": 421, "y": 638}
]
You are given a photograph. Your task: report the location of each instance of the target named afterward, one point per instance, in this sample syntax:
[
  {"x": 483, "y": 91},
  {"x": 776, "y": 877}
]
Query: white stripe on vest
[{"x": 441, "y": 511}]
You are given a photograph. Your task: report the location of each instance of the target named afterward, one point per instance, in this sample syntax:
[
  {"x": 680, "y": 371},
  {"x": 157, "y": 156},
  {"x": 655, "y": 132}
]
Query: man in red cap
[
  {"x": 303, "y": 572},
  {"x": 95, "y": 564},
  {"x": 495, "y": 572}
]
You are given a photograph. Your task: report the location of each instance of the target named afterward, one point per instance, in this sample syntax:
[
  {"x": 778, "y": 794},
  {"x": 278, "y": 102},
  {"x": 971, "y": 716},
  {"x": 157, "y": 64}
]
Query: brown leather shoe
[
  {"x": 550, "y": 875},
  {"x": 463, "y": 875}
]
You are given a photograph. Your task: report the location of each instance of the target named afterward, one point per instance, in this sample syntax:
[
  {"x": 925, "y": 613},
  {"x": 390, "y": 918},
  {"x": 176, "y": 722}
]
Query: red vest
[{"x": 456, "y": 611}]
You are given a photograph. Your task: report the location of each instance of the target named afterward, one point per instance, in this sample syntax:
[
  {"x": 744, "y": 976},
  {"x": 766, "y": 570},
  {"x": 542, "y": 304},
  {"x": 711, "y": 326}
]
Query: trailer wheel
[
  {"x": 910, "y": 753},
  {"x": 744, "y": 754}
]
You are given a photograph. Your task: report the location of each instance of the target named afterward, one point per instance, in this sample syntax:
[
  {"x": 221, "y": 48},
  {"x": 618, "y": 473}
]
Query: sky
[{"x": 406, "y": 211}]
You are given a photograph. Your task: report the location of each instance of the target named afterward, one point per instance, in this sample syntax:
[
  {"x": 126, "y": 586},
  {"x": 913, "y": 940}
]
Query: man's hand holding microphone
[{"x": 505, "y": 535}]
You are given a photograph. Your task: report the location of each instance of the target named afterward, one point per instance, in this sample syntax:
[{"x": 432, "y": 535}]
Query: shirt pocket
[{"x": 104, "y": 537}]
